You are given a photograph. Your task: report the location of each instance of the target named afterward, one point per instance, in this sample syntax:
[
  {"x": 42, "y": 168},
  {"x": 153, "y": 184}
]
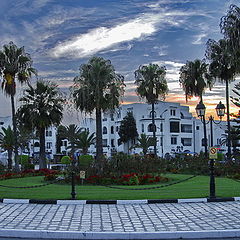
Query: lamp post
[
  {"x": 220, "y": 109},
  {"x": 73, "y": 192}
]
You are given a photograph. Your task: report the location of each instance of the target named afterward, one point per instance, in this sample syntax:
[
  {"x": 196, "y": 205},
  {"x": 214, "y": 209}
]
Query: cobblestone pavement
[{"x": 121, "y": 218}]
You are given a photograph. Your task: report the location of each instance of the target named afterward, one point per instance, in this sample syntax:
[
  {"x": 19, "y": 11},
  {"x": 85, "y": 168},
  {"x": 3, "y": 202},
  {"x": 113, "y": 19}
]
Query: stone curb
[
  {"x": 45, "y": 234},
  {"x": 144, "y": 201}
]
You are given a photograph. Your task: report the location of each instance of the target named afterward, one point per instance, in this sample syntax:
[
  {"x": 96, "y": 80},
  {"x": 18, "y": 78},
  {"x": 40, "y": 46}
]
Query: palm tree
[
  {"x": 41, "y": 108},
  {"x": 194, "y": 79},
  {"x": 223, "y": 68},
  {"x": 71, "y": 133},
  {"x": 14, "y": 64},
  {"x": 144, "y": 142},
  {"x": 230, "y": 25},
  {"x": 98, "y": 87},
  {"x": 84, "y": 141},
  {"x": 7, "y": 143},
  {"x": 152, "y": 85}
]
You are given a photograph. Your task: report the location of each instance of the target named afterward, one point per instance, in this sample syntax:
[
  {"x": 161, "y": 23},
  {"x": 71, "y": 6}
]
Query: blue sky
[{"x": 60, "y": 35}]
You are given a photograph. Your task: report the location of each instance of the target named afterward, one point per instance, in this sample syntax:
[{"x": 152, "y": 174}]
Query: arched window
[
  {"x": 151, "y": 127},
  {"x": 104, "y": 130},
  {"x": 36, "y": 144},
  {"x": 142, "y": 128}
]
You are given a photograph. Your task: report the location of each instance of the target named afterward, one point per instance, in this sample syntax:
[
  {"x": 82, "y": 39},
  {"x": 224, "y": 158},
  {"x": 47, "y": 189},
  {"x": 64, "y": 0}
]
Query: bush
[
  {"x": 85, "y": 161},
  {"x": 50, "y": 177},
  {"x": 66, "y": 160}
]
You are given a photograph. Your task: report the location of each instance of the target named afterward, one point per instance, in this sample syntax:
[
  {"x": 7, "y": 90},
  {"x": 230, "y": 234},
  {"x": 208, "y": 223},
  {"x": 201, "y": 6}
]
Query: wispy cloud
[{"x": 103, "y": 38}]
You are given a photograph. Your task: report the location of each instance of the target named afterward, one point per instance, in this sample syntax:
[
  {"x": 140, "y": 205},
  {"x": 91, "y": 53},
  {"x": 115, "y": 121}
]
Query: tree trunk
[
  {"x": 42, "y": 154},
  {"x": 10, "y": 159},
  {"x": 154, "y": 129},
  {"x": 15, "y": 135},
  {"x": 99, "y": 144},
  {"x": 228, "y": 123}
]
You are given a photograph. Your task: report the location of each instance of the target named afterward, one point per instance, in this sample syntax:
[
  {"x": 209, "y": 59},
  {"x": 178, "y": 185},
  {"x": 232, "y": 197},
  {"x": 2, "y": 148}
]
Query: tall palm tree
[
  {"x": 194, "y": 79},
  {"x": 230, "y": 27},
  {"x": 223, "y": 68},
  {"x": 7, "y": 143},
  {"x": 98, "y": 87},
  {"x": 15, "y": 64},
  {"x": 41, "y": 108},
  {"x": 152, "y": 85},
  {"x": 84, "y": 141}
]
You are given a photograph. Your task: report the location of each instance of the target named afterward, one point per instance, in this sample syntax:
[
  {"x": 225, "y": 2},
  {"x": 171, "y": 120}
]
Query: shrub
[
  {"x": 50, "y": 177},
  {"x": 66, "y": 160},
  {"x": 85, "y": 161}
]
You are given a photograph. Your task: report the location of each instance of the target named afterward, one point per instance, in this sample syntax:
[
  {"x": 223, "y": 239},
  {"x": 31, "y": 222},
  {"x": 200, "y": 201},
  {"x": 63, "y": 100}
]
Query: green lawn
[{"x": 194, "y": 188}]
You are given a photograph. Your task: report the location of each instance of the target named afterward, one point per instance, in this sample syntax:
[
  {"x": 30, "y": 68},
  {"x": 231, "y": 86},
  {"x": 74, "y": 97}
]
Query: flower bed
[
  {"x": 127, "y": 179},
  {"x": 29, "y": 173}
]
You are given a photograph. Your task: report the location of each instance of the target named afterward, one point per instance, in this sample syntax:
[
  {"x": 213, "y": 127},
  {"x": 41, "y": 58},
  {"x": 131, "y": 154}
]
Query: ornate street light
[{"x": 201, "y": 109}]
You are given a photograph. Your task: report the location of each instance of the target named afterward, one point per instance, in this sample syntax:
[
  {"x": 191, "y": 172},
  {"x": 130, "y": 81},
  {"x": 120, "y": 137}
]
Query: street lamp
[
  {"x": 220, "y": 109},
  {"x": 161, "y": 129}
]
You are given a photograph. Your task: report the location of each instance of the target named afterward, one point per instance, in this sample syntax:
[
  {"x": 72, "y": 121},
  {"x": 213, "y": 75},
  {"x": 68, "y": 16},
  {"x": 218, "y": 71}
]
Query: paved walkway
[{"x": 122, "y": 221}]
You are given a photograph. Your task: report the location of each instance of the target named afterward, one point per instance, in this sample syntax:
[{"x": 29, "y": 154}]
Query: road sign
[
  {"x": 213, "y": 153},
  {"x": 82, "y": 174}
]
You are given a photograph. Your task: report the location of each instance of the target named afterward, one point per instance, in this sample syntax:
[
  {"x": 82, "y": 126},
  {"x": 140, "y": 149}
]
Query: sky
[{"x": 60, "y": 35}]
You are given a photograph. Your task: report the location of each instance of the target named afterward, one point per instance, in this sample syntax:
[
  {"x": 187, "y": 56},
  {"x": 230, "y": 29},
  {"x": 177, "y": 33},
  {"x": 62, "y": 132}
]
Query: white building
[{"x": 177, "y": 130}]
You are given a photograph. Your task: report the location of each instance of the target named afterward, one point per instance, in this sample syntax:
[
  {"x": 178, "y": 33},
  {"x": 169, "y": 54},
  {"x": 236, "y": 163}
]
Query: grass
[{"x": 197, "y": 187}]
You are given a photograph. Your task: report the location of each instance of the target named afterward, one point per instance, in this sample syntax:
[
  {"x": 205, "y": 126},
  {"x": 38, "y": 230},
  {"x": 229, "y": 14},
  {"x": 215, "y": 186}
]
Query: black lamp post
[
  {"x": 220, "y": 109},
  {"x": 73, "y": 192}
]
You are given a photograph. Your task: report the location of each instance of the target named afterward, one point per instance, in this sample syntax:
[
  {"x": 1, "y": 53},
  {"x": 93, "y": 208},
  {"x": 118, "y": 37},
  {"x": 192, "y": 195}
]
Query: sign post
[{"x": 212, "y": 157}]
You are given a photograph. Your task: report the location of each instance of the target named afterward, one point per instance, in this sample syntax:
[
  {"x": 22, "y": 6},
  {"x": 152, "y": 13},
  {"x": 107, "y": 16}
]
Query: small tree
[
  {"x": 84, "y": 141},
  {"x": 128, "y": 129},
  {"x": 144, "y": 142}
]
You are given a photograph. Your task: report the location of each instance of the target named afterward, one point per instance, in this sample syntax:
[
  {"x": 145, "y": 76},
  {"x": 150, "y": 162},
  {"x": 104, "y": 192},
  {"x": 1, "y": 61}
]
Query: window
[
  {"x": 197, "y": 127},
  {"x": 186, "y": 141},
  {"x": 173, "y": 112},
  {"x": 1, "y": 123},
  {"x": 112, "y": 129},
  {"x": 203, "y": 142},
  {"x": 64, "y": 143},
  {"x": 117, "y": 128},
  {"x": 104, "y": 130},
  {"x": 104, "y": 142},
  {"x": 36, "y": 144},
  {"x": 48, "y": 133},
  {"x": 161, "y": 141},
  {"x": 112, "y": 143},
  {"x": 111, "y": 116},
  {"x": 174, "y": 127},
  {"x": 49, "y": 145},
  {"x": 151, "y": 127},
  {"x": 119, "y": 142},
  {"x": 186, "y": 128},
  {"x": 174, "y": 140},
  {"x": 161, "y": 127},
  {"x": 142, "y": 128}
]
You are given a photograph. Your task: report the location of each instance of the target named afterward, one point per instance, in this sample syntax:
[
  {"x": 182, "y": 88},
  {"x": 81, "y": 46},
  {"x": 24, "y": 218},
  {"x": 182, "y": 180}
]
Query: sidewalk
[{"x": 121, "y": 221}]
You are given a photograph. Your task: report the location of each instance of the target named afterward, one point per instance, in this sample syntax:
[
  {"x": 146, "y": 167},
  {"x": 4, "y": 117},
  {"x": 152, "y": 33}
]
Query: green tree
[
  {"x": 194, "y": 79},
  {"x": 15, "y": 64},
  {"x": 128, "y": 129},
  {"x": 59, "y": 137},
  {"x": 41, "y": 108},
  {"x": 152, "y": 85},
  {"x": 223, "y": 68},
  {"x": 98, "y": 87},
  {"x": 7, "y": 143},
  {"x": 235, "y": 129},
  {"x": 144, "y": 142},
  {"x": 71, "y": 133},
  {"x": 84, "y": 141}
]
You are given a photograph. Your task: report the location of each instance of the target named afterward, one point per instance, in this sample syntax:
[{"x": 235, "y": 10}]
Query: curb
[
  {"x": 45, "y": 234},
  {"x": 144, "y": 201}
]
